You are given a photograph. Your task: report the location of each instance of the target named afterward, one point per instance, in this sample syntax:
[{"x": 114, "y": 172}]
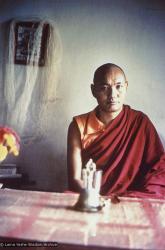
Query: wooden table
[{"x": 44, "y": 218}]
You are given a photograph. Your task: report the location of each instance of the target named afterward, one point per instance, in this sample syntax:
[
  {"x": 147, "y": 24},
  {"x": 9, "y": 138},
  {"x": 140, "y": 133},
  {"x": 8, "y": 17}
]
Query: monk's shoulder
[
  {"x": 81, "y": 121},
  {"x": 139, "y": 115},
  {"x": 82, "y": 118}
]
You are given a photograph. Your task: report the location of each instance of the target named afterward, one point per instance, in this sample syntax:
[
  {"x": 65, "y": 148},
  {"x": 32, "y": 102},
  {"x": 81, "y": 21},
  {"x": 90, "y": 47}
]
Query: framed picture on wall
[{"x": 30, "y": 43}]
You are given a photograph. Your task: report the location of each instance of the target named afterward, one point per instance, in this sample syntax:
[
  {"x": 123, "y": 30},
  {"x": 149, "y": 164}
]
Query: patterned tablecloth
[{"x": 32, "y": 216}]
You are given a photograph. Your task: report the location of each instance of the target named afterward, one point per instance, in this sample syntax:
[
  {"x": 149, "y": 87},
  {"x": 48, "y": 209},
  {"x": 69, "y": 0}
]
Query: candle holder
[
  {"x": 88, "y": 201},
  {"x": 89, "y": 198}
]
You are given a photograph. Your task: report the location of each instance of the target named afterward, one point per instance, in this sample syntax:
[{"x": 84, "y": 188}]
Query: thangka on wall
[{"x": 26, "y": 46}]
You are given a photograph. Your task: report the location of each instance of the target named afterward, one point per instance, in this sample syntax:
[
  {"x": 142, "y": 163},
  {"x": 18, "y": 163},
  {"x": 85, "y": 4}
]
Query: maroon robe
[{"x": 131, "y": 156}]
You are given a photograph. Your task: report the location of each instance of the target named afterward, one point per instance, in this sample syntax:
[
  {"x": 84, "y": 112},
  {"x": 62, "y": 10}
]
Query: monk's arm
[{"x": 74, "y": 158}]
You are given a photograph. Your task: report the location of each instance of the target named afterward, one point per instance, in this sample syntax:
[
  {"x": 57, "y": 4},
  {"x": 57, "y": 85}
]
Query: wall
[{"x": 129, "y": 33}]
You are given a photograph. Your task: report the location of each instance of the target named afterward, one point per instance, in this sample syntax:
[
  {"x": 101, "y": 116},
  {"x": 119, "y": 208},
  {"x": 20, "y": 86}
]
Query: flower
[{"x": 9, "y": 142}]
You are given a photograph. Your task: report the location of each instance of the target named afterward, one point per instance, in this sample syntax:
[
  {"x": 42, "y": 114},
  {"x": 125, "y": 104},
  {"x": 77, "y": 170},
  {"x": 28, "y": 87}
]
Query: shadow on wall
[
  {"x": 44, "y": 166},
  {"x": 4, "y": 28}
]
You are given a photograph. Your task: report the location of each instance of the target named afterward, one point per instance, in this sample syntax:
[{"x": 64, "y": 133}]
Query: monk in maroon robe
[{"x": 121, "y": 141}]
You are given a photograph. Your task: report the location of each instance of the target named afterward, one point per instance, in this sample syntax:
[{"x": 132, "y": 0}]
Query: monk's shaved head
[{"x": 101, "y": 72}]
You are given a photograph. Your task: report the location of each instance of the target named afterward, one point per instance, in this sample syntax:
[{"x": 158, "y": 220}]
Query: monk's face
[{"x": 110, "y": 90}]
